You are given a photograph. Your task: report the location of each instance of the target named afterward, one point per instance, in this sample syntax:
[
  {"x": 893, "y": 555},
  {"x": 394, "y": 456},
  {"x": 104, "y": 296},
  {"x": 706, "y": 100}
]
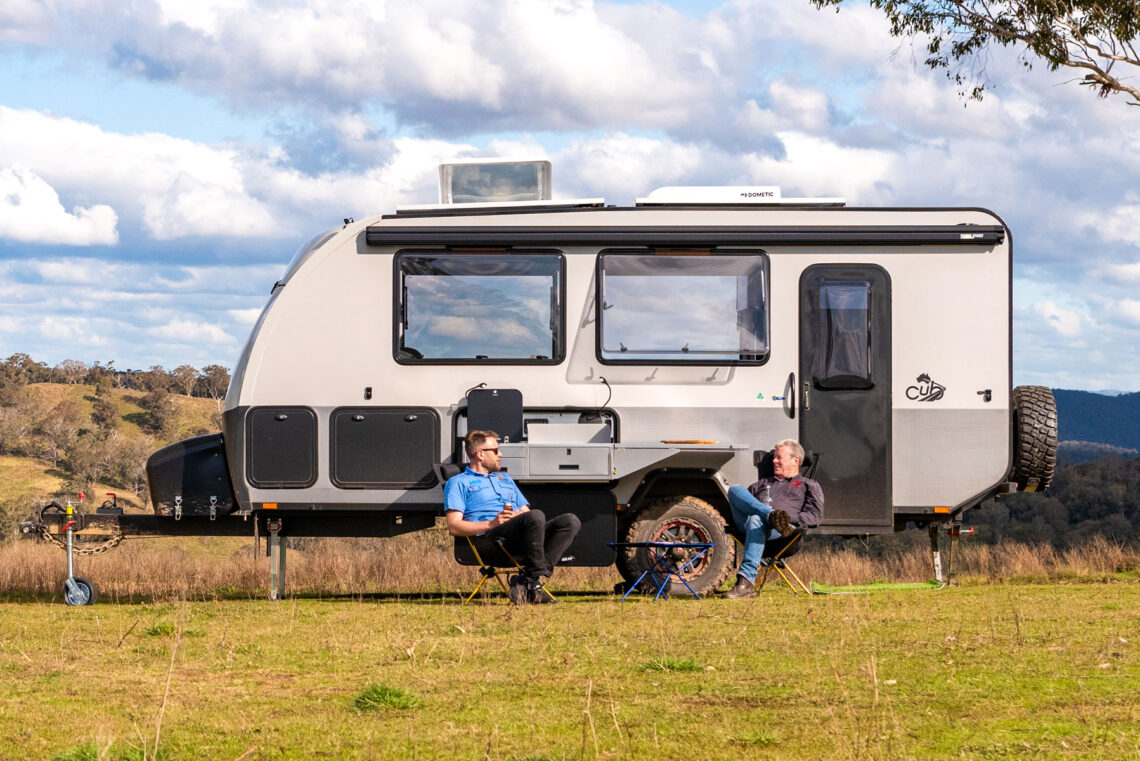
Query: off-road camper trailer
[{"x": 634, "y": 360}]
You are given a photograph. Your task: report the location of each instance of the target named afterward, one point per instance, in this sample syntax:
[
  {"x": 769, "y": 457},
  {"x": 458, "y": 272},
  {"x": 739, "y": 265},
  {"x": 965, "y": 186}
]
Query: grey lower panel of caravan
[
  {"x": 646, "y": 436},
  {"x": 947, "y": 457},
  {"x": 940, "y": 457}
]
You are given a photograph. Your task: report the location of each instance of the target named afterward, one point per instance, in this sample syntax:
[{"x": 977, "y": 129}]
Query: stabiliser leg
[
  {"x": 944, "y": 566},
  {"x": 276, "y": 548}
]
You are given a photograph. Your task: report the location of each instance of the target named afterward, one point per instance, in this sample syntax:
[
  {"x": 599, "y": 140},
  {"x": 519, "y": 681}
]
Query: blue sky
[{"x": 160, "y": 161}]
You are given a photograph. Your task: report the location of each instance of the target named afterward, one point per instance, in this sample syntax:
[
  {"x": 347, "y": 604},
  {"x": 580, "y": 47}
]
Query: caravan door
[{"x": 845, "y": 392}]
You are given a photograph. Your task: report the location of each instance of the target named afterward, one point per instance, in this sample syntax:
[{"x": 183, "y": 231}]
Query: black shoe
[
  {"x": 538, "y": 595},
  {"x": 779, "y": 520},
  {"x": 743, "y": 589},
  {"x": 519, "y": 590}
]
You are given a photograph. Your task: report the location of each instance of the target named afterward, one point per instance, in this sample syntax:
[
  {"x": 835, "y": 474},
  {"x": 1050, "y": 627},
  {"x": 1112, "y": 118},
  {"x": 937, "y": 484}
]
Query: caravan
[{"x": 635, "y": 361}]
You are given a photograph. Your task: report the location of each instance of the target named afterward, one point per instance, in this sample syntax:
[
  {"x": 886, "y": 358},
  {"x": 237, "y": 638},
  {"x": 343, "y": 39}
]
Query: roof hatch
[{"x": 494, "y": 180}]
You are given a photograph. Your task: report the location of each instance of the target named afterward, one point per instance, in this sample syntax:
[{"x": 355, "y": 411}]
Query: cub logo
[{"x": 925, "y": 390}]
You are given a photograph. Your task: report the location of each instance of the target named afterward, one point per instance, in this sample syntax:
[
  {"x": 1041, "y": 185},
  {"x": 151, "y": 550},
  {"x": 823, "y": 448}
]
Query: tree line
[
  {"x": 89, "y": 447},
  {"x": 211, "y": 381},
  {"x": 1101, "y": 497}
]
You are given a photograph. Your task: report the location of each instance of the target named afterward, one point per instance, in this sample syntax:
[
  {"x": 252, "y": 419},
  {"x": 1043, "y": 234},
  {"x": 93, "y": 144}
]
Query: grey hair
[{"x": 793, "y": 446}]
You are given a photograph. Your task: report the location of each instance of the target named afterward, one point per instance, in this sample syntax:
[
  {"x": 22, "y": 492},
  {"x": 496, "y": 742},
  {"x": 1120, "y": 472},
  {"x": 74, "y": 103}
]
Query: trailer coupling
[{"x": 91, "y": 533}]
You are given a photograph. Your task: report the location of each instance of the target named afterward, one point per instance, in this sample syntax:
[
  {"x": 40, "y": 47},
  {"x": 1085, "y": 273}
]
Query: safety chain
[{"x": 110, "y": 544}]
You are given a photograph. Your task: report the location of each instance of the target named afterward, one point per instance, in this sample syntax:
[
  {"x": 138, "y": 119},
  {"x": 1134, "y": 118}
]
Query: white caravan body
[{"x": 629, "y": 357}]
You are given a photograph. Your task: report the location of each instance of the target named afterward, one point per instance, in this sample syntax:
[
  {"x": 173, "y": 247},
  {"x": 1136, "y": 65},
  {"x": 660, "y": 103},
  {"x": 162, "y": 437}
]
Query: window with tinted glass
[
  {"x": 501, "y": 308},
  {"x": 843, "y": 335},
  {"x": 697, "y": 308}
]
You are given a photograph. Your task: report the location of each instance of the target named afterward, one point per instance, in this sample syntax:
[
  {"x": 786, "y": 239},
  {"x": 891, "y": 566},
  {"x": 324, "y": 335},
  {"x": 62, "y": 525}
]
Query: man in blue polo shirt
[{"x": 485, "y": 504}]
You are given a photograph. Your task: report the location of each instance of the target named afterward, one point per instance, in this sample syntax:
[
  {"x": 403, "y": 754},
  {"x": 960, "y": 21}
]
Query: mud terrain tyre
[
  {"x": 681, "y": 519},
  {"x": 1034, "y": 437}
]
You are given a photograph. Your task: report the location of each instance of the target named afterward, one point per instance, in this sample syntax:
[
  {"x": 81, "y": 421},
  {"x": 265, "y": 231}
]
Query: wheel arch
[{"x": 677, "y": 482}]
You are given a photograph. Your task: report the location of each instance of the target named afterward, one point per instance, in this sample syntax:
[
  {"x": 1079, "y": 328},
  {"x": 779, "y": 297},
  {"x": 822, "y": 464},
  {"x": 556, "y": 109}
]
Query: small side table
[{"x": 662, "y": 570}]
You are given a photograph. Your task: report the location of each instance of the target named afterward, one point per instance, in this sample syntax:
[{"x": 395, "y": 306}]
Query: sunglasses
[{"x": 490, "y": 449}]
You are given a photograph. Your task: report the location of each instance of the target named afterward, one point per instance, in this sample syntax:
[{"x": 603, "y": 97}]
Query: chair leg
[
  {"x": 781, "y": 568},
  {"x": 502, "y": 583},
  {"x": 482, "y": 580},
  {"x": 764, "y": 578}
]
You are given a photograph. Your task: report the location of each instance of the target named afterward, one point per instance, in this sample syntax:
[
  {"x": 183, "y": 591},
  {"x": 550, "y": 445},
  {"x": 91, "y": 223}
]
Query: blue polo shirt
[{"x": 481, "y": 497}]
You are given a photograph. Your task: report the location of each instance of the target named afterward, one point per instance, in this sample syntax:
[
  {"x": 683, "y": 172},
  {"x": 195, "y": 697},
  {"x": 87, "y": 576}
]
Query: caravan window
[
  {"x": 693, "y": 308},
  {"x": 843, "y": 335},
  {"x": 479, "y": 308}
]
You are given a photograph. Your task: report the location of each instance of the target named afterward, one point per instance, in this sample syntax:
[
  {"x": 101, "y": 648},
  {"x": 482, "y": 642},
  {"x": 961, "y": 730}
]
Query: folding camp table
[{"x": 662, "y": 570}]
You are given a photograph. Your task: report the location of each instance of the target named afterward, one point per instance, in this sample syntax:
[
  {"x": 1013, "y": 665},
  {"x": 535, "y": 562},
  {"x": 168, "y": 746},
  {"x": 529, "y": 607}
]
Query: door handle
[
  {"x": 790, "y": 396},
  {"x": 807, "y": 397}
]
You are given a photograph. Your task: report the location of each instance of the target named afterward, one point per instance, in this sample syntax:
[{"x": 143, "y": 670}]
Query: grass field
[{"x": 996, "y": 668}]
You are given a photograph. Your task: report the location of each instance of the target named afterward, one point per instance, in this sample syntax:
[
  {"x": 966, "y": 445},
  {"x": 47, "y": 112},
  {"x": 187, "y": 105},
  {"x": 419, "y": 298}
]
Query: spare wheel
[{"x": 1034, "y": 437}]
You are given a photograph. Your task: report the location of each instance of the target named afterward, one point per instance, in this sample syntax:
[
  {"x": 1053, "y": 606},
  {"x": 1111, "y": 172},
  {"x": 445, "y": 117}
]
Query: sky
[{"x": 161, "y": 161}]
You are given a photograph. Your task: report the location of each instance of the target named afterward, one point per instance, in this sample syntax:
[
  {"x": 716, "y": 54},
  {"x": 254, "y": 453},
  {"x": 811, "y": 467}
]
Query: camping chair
[
  {"x": 501, "y": 565},
  {"x": 494, "y": 562},
  {"x": 777, "y": 551}
]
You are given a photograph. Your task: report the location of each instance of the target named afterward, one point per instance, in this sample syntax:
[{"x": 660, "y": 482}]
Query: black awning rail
[{"x": 687, "y": 235}]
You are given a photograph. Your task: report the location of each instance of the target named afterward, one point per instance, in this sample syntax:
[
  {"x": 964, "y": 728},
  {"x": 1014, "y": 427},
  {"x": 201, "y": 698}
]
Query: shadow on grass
[{"x": 414, "y": 598}]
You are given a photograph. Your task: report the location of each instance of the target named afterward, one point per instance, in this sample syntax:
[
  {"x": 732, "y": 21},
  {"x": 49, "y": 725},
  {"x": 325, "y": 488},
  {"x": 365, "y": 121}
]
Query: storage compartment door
[
  {"x": 386, "y": 448},
  {"x": 281, "y": 447}
]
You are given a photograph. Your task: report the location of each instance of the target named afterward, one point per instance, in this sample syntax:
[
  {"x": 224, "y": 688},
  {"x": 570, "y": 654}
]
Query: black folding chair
[{"x": 501, "y": 565}]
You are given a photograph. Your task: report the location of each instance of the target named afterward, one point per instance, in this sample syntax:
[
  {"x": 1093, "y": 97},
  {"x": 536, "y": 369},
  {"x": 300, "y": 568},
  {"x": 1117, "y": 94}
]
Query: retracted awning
[{"x": 688, "y": 235}]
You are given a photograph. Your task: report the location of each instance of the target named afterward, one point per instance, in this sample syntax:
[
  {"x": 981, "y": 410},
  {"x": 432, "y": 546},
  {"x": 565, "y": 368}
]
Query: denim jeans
[{"x": 751, "y": 515}]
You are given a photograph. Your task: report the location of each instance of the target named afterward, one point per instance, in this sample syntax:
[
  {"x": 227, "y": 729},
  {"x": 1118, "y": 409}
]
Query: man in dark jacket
[{"x": 772, "y": 507}]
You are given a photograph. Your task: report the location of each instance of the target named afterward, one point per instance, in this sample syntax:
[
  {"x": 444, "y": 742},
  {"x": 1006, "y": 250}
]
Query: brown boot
[
  {"x": 779, "y": 520},
  {"x": 742, "y": 590}
]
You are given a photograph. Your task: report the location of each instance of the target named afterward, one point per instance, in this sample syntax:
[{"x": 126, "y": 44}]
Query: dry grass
[
  {"x": 1097, "y": 559},
  {"x": 171, "y": 568}
]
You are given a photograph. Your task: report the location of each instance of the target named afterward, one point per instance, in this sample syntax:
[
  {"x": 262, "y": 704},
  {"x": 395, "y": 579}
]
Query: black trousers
[{"x": 535, "y": 542}]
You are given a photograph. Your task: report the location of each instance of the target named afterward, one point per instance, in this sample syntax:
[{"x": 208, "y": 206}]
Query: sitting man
[
  {"x": 772, "y": 507},
  {"x": 485, "y": 504}
]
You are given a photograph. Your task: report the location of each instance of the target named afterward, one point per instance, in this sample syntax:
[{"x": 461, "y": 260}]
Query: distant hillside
[
  {"x": 1075, "y": 452},
  {"x": 28, "y": 475},
  {"x": 1089, "y": 417}
]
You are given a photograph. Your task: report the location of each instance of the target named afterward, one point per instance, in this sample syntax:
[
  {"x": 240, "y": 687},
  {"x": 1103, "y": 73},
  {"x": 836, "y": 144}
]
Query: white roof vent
[
  {"x": 708, "y": 195},
  {"x": 494, "y": 181}
]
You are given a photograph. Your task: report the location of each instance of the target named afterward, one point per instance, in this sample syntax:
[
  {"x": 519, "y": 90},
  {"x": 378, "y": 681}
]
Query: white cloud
[
  {"x": 1127, "y": 272},
  {"x": 1065, "y": 322},
  {"x": 624, "y": 166},
  {"x": 70, "y": 329},
  {"x": 1127, "y": 310},
  {"x": 244, "y": 316},
  {"x": 178, "y": 187},
  {"x": 202, "y": 15},
  {"x": 31, "y": 212},
  {"x": 559, "y": 63},
  {"x": 189, "y": 331},
  {"x": 818, "y": 166},
  {"x": 1121, "y": 223},
  {"x": 24, "y": 21},
  {"x": 194, "y": 207}
]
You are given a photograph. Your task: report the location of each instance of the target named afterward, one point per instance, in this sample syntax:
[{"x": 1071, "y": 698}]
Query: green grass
[
  {"x": 981, "y": 672},
  {"x": 376, "y": 697},
  {"x": 876, "y": 586}
]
